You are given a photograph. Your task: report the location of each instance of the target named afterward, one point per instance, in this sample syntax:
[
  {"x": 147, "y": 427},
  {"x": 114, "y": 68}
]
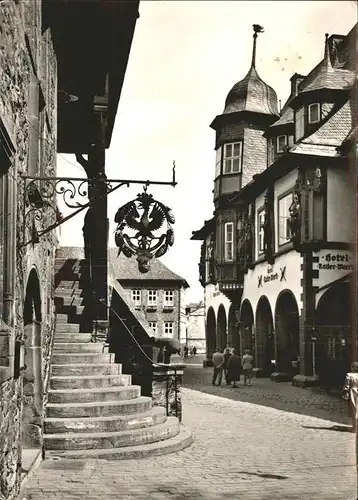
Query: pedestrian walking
[
  {"x": 350, "y": 394},
  {"x": 186, "y": 351},
  {"x": 227, "y": 354},
  {"x": 194, "y": 351},
  {"x": 218, "y": 362},
  {"x": 234, "y": 368},
  {"x": 247, "y": 361}
]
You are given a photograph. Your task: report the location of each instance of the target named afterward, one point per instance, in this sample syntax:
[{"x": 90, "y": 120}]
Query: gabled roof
[
  {"x": 332, "y": 133},
  {"x": 286, "y": 115},
  {"x": 127, "y": 270}
]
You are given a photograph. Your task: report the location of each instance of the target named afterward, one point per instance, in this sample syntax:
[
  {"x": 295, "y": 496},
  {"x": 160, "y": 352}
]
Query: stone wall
[{"x": 28, "y": 62}]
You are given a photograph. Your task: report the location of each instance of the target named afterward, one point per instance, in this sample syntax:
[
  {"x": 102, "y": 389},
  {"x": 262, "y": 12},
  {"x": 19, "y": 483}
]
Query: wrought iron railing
[
  {"x": 171, "y": 373},
  {"x": 47, "y": 375}
]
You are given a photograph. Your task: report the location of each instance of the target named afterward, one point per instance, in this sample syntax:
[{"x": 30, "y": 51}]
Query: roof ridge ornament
[
  {"x": 327, "y": 57},
  {"x": 257, "y": 29}
]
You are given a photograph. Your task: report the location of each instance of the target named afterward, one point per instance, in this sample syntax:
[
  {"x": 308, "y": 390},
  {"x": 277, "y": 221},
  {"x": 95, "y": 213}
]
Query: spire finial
[
  {"x": 327, "y": 58},
  {"x": 257, "y": 29}
]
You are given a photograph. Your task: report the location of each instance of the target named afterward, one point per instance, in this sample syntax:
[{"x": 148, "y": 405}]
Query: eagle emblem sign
[{"x": 138, "y": 224}]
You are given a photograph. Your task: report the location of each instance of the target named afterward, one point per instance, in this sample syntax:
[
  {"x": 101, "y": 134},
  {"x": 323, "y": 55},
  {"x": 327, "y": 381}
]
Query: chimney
[{"x": 296, "y": 79}]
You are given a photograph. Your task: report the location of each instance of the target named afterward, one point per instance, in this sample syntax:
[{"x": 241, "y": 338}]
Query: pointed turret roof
[{"x": 252, "y": 93}]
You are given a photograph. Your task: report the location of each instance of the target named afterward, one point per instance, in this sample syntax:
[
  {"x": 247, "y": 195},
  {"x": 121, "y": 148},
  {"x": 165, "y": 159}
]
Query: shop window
[
  {"x": 260, "y": 230},
  {"x": 284, "y": 233},
  {"x": 232, "y": 158},
  {"x": 229, "y": 241},
  {"x": 314, "y": 113},
  {"x": 218, "y": 162}
]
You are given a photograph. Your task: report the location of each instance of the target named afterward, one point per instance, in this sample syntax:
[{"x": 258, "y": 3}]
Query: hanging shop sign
[
  {"x": 140, "y": 230},
  {"x": 271, "y": 275}
]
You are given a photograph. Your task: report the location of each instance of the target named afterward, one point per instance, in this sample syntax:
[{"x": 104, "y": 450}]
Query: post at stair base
[
  {"x": 100, "y": 331},
  {"x": 166, "y": 388}
]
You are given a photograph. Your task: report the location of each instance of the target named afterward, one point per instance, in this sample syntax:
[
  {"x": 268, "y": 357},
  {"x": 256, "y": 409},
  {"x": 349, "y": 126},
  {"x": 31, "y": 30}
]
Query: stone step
[
  {"x": 71, "y": 301},
  {"x": 72, "y": 338},
  {"x": 87, "y": 369},
  {"x": 103, "y": 440},
  {"x": 116, "y": 393},
  {"x": 89, "y": 381},
  {"x": 72, "y": 311},
  {"x": 177, "y": 443},
  {"x": 71, "y": 347},
  {"x": 70, "y": 284},
  {"x": 112, "y": 423},
  {"x": 68, "y": 292},
  {"x": 62, "y": 358},
  {"x": 140, "y": 404},
  {"x": 67, "y": 328}
]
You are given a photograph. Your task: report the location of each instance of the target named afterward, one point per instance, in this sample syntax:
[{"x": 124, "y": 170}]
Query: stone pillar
[
  {"x": 307, "y": 377},
  {"x": 166, "y": 392},
  {"x": 96, "y": 226}
]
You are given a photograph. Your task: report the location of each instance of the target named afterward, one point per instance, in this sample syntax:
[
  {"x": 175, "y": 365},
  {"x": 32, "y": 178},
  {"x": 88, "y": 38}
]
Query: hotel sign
[
  {"x": 332, "y": 261},
  {"x": 271, "y": 276},
  {"x": 332, "y": 265}
]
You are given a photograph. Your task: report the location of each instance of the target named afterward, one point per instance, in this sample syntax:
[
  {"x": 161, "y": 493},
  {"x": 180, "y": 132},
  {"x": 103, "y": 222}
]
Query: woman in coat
[
  {"x": 227, "y": 355},
  {"x": 350, "y": 394},
  {"x": 234, "y": 368}
]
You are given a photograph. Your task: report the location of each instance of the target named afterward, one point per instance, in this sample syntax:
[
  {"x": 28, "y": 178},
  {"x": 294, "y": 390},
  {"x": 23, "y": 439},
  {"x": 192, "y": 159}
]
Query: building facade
[
  {"x": 48, "y": 96},
  {"x": 195, "y": 329},
  {"x": 278, "y": 255},
  {"x": 28, "y": 123},
  {"x": 158, "y": 294}
]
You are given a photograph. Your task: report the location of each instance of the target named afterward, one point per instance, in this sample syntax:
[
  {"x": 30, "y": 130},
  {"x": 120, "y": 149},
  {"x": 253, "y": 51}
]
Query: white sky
[{"x": 185, "y": 57}]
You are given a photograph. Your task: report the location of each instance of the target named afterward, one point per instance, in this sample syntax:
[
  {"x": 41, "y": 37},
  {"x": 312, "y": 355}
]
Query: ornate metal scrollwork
[{"x": 144, "y": 216}]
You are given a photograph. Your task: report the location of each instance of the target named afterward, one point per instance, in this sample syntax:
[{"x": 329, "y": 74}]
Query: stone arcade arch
[
  {"x": 210, "y": 333},
  {"x": 221, "y": 330},
  {"x": 246, "y": 327},
  {"x": 287, "y": 331},
  {"x": 32, "y": 381},
  {"x": 333, "y": 326},
  {"x": 264, "y": 337}
]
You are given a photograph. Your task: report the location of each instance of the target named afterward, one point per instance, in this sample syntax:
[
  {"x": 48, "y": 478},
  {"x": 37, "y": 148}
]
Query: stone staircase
[{"x": 93, "y": 410}]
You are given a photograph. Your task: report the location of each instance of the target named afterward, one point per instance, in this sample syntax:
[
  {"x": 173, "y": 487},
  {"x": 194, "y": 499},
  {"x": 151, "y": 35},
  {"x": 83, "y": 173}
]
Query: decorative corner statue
[
  {"x": 267, "y": 227},
  {"x": 144, "y": 216},
  {"x": 294, "y": 221}
]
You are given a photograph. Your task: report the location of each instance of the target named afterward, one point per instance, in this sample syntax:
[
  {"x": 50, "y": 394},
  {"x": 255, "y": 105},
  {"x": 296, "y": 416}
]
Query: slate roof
[
  {"x": 331, "y": 134},
  {"x": 127, "y": 270},
  {"x": 286, "y": 115},
  {"x": 252, "y": 94}
]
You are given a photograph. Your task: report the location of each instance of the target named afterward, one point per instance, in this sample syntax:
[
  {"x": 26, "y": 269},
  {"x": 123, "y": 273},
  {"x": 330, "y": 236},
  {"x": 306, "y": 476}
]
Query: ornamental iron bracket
[{"x": 41, "y": 214}]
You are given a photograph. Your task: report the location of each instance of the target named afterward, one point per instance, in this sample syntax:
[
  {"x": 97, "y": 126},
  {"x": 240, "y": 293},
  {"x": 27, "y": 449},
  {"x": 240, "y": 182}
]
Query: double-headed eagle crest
[{"x": 144, "y": 216}]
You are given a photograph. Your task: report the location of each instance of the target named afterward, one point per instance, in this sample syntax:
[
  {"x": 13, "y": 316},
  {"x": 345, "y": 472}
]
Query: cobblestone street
[
  {"x": 241, "y": 451},
  {"x": 282, "y": 395}
]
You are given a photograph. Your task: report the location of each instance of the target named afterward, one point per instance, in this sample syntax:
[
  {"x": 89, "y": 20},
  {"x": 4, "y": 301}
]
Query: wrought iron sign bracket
[{"x": 41, "y": 214}]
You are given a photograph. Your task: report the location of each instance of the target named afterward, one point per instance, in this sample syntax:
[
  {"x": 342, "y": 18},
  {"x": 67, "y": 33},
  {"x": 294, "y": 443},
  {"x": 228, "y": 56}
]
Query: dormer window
[
  {"x": 281, "y": 143},
  {"x": 313, "y": 113},
  {"x": 232, "y": 158},
  {"x": 271, "y": 150}
]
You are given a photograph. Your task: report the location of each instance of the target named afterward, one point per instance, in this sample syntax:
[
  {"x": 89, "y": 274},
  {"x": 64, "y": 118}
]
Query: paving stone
[{"x": 242, "y": 450}]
